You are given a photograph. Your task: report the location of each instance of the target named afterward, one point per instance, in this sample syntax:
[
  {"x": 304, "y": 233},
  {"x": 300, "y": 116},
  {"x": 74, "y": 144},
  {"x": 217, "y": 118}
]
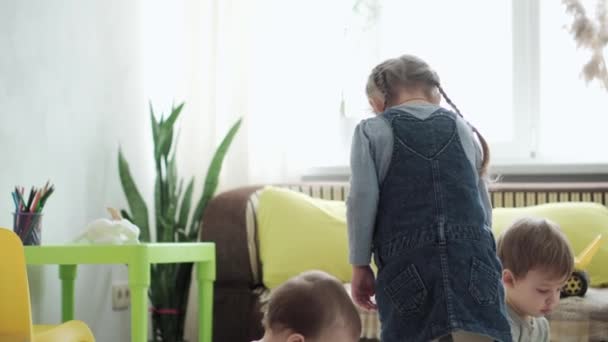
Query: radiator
[
  {"x": 502, "y": 195},
  {"x": 510, "y": 195}
]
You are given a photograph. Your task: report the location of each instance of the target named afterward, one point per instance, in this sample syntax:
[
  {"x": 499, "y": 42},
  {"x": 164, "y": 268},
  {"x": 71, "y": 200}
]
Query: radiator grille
[
  {"x": 502, "y": 195},
  {"x": 527, "y": 194}
]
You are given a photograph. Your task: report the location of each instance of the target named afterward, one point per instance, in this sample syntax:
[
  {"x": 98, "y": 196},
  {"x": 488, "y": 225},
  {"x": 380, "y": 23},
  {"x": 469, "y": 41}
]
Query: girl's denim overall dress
[{"x": 437, "y": 265}]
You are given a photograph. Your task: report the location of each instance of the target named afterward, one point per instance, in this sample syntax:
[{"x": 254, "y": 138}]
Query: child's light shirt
[{"x": 531, "y": 329}]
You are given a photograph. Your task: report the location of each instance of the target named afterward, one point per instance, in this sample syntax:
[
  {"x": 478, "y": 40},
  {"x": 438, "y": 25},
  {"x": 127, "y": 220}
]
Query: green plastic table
[{"x": 138, "y": 257}]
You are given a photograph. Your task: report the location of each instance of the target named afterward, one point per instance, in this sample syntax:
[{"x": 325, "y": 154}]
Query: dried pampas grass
[{"x": 592, "y": 35}]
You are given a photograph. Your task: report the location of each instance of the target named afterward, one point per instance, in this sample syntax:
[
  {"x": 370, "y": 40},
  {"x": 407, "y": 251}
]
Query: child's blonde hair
[
  {"x": 535, "y": 243},
  {"x": 410, "y": 72},
  {"x": 311, "y": 303}
]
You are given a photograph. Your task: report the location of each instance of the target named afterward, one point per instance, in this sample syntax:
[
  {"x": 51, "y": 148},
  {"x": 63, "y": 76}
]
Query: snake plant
[{"x": 176, "y": 220}]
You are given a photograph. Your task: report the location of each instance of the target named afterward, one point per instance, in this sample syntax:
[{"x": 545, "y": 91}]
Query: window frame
[{"x": 526, "y": 86}]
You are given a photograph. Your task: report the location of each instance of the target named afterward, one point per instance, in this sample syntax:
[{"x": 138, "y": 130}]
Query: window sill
[{"x": 519, "y": 172}]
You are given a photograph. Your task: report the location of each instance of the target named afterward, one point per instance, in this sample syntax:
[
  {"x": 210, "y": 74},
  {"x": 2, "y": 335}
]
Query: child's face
[{"x": 536, "y": 294}]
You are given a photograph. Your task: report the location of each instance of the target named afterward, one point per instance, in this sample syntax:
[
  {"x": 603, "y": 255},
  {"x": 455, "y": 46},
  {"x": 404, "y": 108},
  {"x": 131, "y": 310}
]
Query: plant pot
[{"x": 167, "y": 326}]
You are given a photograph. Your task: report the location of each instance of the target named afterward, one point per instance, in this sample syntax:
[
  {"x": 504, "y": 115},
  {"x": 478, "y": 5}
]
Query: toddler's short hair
[
  {"x": 535, "y": 243},
  {"x": 310, "y": 303}
]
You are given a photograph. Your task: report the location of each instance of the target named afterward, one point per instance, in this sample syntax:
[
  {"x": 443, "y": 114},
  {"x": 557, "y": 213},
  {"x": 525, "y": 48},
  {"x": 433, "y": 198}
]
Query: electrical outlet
[{"x": 121, "y": 296}]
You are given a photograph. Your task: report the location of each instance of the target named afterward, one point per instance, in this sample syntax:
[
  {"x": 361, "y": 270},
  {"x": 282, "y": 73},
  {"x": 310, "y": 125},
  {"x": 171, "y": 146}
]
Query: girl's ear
[
  {"x": 295, "y": 338},
  {"x": 377, "y": 104}
]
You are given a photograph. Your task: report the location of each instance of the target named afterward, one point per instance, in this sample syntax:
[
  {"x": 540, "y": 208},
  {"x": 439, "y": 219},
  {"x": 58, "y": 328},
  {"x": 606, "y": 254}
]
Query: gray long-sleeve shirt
[{"x": 371, "y": 154}]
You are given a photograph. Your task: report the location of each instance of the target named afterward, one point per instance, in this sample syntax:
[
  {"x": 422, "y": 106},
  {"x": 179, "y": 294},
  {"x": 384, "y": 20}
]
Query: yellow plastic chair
[{"x": 15, "y": 309}]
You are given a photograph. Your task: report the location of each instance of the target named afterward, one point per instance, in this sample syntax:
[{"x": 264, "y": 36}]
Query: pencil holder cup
[{"x": 27, "y": 226}]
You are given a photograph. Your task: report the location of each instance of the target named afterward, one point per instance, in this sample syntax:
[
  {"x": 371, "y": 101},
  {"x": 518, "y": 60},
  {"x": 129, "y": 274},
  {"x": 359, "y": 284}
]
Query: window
[
  {"x": 472, "y": 53},
  {"x": 511, "y": 67},
  {"x": 573, "y": 115}
]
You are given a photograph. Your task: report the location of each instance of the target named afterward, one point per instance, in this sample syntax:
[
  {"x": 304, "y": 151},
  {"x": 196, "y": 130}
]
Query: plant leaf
[
  {"x": 158, "y": 207},
  {"x": 161, "y": 137},
  {"x": 174, "y": 115},
  {"x": 166, "y": 227},
  {"x": 164, "y": 205},
  {"x": 155, "y": 127},
  {"x": 172, "y": 180},
  {"x": 137, "y": 205},
  {"x": 211, "y": 180},
  {"x": 165, "y": 141},
  {"x": 179, "y": 192},
  {"x": 169, "y": 219},
  {"x": 181, "y": 236},
  {"x": 184, "y": 211},
  {"x": 126, "y": 215},
  {"x": 166, "y": 132}
]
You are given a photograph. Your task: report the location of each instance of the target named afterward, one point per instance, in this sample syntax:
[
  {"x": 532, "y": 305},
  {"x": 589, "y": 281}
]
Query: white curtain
[
  {"x": 277, "y": 64},
  {"x": 296, "y": 71}
]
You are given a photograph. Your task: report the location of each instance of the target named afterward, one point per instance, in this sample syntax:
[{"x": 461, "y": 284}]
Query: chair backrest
[{"x": 15, "y": 309}]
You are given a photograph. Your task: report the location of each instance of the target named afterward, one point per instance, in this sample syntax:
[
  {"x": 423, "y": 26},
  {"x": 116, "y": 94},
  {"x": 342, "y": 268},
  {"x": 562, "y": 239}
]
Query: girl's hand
[{"x": 362, "y": 287}]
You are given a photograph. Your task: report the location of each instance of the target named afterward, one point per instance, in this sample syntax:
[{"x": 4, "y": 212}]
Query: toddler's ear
[
  {"x": 508, "y": 279},
  {"x": 295, "y": 338}
]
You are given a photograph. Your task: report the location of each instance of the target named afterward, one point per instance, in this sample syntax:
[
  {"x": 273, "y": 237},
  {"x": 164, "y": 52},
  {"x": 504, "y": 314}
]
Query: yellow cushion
[
  {"x": 297, "y": 233},
  {"x": 580, "y": 221}
]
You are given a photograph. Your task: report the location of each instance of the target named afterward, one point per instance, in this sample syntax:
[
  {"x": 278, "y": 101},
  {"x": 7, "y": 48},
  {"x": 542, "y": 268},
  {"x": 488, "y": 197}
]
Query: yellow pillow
[
  {"x": 297, "y": 233},
  {"x": 580, "y": 221}
]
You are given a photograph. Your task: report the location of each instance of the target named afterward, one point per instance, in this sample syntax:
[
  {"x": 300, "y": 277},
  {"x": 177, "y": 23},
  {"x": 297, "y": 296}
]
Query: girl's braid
[
  {"x": 448, "y": 100},
  {"x": 387, "y": 89},
  {"x": 381, "y": 81},
  {"x": 484, "y": 144}
]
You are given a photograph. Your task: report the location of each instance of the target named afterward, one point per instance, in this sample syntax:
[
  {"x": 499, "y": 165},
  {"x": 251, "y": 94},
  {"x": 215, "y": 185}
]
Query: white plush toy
[{"x": 116, "y": 231}]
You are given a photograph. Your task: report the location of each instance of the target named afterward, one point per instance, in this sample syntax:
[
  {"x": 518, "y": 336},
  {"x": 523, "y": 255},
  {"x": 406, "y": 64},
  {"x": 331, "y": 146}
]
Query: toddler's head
[
  {"x": 537, "y": 260},
  {"x": 313, "y": 306}
]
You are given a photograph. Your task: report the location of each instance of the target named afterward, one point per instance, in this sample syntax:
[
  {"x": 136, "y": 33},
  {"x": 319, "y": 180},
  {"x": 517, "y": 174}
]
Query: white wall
[{"x": 72, "y": 87}]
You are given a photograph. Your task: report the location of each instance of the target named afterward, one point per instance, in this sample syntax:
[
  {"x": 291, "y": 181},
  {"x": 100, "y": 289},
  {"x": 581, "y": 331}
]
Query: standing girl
[{"x": 419, "y": 203}]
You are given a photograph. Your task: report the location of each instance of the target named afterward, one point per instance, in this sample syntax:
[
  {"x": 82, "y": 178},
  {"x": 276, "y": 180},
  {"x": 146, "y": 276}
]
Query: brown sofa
[
  {"x": 238, "y": 288},
  {"x": 236, "y": 314}
]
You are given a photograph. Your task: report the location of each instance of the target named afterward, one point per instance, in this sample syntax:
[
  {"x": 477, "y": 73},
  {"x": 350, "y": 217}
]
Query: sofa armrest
[{"x": 224, "y": 223}]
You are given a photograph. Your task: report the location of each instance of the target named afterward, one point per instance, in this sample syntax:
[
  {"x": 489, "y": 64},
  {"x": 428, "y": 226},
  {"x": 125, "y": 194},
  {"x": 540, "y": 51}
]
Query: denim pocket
[
  {"x": 484, "y": 282},
  {"x": 406, "y": 291}
]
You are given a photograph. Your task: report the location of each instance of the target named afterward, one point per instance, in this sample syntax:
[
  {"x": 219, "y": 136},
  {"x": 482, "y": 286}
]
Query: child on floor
[
  {"x": 418, "y": 202},
  {"x": 313, "y": 306},
  {"x": 537, "y": 261}
]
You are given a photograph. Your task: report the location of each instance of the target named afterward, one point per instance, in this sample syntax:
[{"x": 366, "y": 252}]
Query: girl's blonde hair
[{"x": 411, "y": 72}]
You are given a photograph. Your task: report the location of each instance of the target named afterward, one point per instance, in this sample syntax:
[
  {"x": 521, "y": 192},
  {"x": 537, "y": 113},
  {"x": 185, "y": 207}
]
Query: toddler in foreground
[{"x": 311, "y": 307}]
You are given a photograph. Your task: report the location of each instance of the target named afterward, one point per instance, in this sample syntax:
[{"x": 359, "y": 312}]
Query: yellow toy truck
[{"x": 578, "y": 283}]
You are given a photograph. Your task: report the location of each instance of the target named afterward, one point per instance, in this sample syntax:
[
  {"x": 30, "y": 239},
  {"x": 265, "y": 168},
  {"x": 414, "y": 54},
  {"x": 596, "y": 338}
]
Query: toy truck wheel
[{"x": 576, "y": 285}]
